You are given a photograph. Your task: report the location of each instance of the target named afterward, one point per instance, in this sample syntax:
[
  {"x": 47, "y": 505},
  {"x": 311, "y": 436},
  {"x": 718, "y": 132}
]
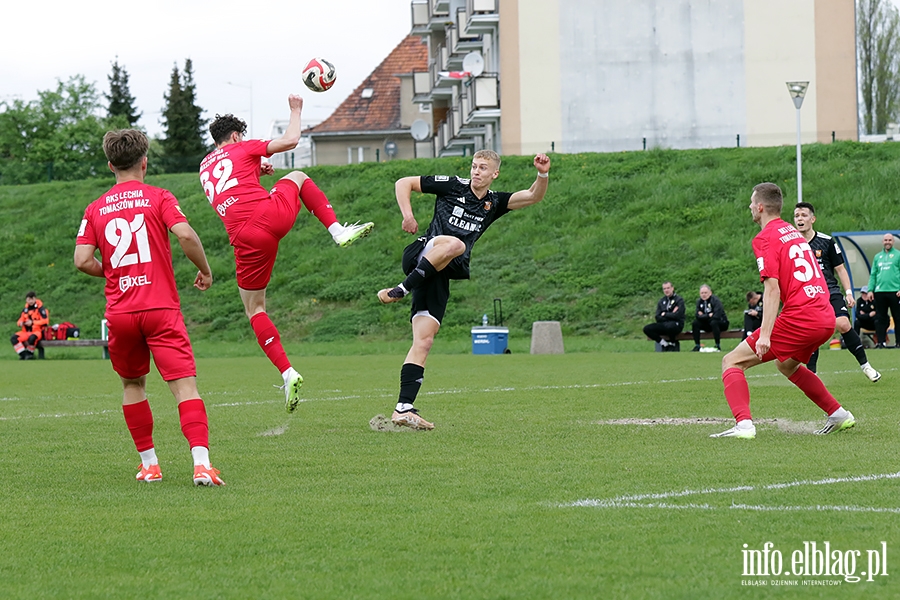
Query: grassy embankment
[{"x": 592, "y": 255}]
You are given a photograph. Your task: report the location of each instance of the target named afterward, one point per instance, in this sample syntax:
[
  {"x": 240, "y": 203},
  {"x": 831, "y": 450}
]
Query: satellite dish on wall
[
  {"x": 390, "y": 148},
  {"x": 419, "y": 130},
  {"x": 473, "y": 62}
]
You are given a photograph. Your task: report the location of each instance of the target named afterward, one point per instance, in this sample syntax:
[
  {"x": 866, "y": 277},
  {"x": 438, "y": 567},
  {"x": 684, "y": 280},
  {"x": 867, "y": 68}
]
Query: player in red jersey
[
  {"x": 256, "y": 220},
  {"x": 791, "y": 276},
  {"x": 129, "y": 224}
]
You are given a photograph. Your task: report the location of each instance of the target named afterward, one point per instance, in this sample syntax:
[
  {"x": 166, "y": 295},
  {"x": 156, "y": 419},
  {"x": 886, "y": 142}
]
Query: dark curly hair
[{"x": 224, "y": 125}]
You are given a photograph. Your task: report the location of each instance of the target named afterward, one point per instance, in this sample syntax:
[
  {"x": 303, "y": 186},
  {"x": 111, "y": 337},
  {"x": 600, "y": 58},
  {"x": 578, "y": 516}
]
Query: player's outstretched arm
[
  {"x": 404, "y": 189},
  {"x": 536, "y": 192},
  {"x": 193, "y": 249},
  {"x": 86, "y": 262},
  {"x": 291, "y": 136}
]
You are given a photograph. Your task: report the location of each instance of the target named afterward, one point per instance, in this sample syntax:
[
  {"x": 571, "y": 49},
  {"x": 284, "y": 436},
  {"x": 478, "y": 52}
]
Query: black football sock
[
  {"x": 419, "y": 275},
  {"x": 855, "y": 346},
  {"x": 813, "y": 360},
  {"x": 411, "y": 376}
]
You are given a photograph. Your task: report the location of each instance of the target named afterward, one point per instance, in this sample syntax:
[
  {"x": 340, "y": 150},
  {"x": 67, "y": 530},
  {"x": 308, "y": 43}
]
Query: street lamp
[
  {"x": 247, "y": 87},
  {"x": 797, "y": 90}
]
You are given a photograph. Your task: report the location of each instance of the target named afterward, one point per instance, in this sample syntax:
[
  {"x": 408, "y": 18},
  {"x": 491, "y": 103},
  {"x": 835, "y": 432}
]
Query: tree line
[{"x": 59, "y": 136}]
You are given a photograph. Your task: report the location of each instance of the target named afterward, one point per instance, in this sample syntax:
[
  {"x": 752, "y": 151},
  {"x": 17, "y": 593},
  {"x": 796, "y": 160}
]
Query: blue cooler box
[{"x": 489, "y": 340}]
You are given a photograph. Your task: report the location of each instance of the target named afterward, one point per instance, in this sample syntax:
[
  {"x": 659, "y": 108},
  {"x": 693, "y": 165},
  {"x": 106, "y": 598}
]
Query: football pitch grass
[{"x": 542, "y": 479}]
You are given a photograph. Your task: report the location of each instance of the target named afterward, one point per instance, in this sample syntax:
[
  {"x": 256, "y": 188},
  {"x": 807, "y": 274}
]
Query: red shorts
[
  {"x": 793, "y": 340},
  {"x": 256, "y": 244},
  {"x": 133, "y": 336}
]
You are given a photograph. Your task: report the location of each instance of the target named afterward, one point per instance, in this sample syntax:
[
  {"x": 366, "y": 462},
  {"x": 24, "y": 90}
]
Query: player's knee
[
  {"x": 457, "y": 247},
  {"x": 297, "y": 177},
  {"x": 732, "y": 360},
  {"x": 14, "y": 339},
  {"x": 424, "y": 344},
  {"x": 787, "y": 368}
]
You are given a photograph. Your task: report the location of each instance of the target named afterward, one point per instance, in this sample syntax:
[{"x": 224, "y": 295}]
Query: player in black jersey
[
  {"x": 831, "y": 261},
  {"x": 463, "y": 210}
]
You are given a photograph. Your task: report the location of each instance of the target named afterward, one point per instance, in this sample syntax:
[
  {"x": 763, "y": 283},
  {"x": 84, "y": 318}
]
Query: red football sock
[
  {"x": 810, "y": 384},
  {"x": 139, "y": 419},
  {"x": 270, "y": 341},
  {"x": 194, "y": 424},
  {"x": 737, "y": 393},
  {"x": 317, "y": 203}
]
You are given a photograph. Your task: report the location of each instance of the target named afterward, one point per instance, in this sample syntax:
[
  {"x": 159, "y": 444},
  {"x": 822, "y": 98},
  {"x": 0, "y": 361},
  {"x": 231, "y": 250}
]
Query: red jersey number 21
[
  {"x": 220, "y": 181},
  {"x": 806, "y": 269},
  {"x": 121, "y": 234}
]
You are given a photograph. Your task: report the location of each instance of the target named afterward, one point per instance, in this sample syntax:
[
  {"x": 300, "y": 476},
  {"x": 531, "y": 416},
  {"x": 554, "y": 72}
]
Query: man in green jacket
[{"x": 885, "y": 282}]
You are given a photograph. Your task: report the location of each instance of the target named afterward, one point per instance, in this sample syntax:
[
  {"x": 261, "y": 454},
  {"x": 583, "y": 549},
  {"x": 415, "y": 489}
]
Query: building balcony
[
  {"x": 483, "y": 99},
  {"x": 424, "y": 18},
  {"x": 461, "y": 45},
  {"x": 438, "y": 9},
  {"x": 419, "y": 16},
  {"x": 482, "y": 16},
  {"x": 422, "y": 86}
]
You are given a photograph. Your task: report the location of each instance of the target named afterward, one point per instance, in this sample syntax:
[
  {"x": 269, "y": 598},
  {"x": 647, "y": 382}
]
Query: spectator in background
[
  {"x": 33, "y": 319},
  {"x": 709, "y": 316},
  {"x": 754, "y": 313},
  {"x": 669, "y": 320},
  {"x": 865, "y": 311},
  {"x": 884, "y": 281}
]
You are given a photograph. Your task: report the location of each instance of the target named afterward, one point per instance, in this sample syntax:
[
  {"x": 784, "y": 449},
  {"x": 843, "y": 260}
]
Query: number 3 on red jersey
[
  {"x": 806, "y": 269},
  {"x": 220, "y": 180}
]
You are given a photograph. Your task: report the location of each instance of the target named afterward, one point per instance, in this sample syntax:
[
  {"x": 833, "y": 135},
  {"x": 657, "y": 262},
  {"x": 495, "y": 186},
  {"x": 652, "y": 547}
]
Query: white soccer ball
[{"x": 319, "y": 75}]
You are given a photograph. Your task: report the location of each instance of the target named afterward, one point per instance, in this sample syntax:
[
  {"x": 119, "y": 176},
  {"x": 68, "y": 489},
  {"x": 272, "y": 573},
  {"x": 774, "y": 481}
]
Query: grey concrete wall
[{"x": 670, "y": 70}]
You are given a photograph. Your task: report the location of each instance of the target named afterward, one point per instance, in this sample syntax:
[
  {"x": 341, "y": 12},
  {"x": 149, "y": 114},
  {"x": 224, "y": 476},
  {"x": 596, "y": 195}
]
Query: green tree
[
  {"x": 878, "y": 55},
  {"x": 184, "y": 143},
  {"x": 121, "y": 102},
  {"x": 57, "y": 136}
]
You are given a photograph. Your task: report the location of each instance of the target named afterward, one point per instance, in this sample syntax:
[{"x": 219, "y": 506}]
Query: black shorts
[
  {"x": 839, "y": 306},
  {"x": 435, "y": 294}
]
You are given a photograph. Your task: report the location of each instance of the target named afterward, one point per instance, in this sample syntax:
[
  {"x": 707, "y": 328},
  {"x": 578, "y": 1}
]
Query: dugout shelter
[{"x": 859, "y": 248}]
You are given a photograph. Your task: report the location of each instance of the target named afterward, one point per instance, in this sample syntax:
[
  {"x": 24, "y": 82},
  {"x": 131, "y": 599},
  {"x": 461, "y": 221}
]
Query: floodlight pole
[
  {"x": 246, "y": 87},
  {"x": 797, "y": 90}
]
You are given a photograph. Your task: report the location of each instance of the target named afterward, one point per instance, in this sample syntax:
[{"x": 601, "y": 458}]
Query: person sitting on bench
[
  {"x": 709, "y": 316},
  {"x": 33, "y": 319}
]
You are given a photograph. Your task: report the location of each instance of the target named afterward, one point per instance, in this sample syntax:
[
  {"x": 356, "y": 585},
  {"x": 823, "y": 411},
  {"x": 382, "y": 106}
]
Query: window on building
[{"x": 356, "y": 154}]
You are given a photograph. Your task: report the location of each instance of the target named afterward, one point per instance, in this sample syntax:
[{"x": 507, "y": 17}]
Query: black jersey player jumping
[
  {"x": 463, "y": 210},
  {"x": 831, "y": 261}
]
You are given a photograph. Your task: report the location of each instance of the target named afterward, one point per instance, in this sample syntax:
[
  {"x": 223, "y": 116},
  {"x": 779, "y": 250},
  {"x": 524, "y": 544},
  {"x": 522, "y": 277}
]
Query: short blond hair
[
  {"x": 488, "y": 155},
  {"x": 770, "y": 196}
]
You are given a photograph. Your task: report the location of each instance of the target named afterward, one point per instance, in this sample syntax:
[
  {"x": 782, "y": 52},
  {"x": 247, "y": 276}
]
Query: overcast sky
[{"x": 258, "y": 45}]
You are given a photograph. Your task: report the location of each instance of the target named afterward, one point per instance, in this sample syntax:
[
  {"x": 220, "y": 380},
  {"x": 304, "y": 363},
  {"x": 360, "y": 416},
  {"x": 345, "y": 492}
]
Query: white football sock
[
  {"x": 335, "y": 229},
  {"x": 148, "y": 458},
  {"x": 744, "y": 424},
  {"x": 201, "y": 456},
  {"x": 403, "y": 406}
]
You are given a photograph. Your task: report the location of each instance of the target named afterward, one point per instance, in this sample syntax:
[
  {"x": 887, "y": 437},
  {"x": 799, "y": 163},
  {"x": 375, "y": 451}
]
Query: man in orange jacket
[{"x": 32, "y": 321}]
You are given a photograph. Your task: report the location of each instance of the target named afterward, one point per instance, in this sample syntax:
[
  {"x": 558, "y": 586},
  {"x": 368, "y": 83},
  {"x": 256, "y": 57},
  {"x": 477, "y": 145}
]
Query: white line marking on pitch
[
  {"x": 637, "y": 500},
  {"x": 388, "y": 394}
]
